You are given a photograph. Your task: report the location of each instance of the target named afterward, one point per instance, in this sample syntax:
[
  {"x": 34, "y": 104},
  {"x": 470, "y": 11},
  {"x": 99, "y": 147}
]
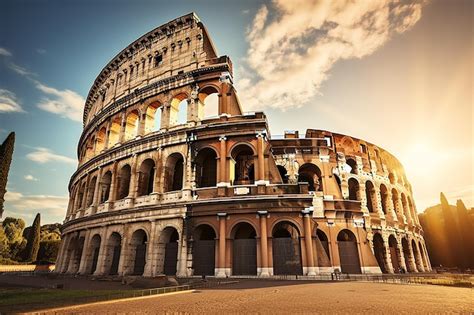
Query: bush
[{"x": 48, "y": 250}]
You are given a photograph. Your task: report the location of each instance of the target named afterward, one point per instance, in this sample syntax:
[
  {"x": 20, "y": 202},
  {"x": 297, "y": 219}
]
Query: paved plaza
[{"x": 284, "y": 297}]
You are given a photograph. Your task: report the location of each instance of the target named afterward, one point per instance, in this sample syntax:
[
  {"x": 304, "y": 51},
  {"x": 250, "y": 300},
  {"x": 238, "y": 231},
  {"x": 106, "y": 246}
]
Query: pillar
[
  {"x": 401, "y": 255},
  {"x": 107, "y": 135},
  {"x": 85, "y": 249},
  {"x": 100, "y": 269},
  {"x": 113, "y": 183},
  {"x": 260, "y": 158},
  {"x": 158, "y": 171},
  {"x": 264, "y": 269},
  {"x": 388, "y": 255},
  {"x": 183, "y": 253},
  {"x": 123, "y": 263},
  {"x": 309, "y": 244},
  {"x": 150, "y": 270},
  {"x": 411, "y": 256},
  {"x": 419, "y": 259},
  {"x": 96, "y": 200},
  {"x": 141, "y": 124},
  {"x": 220, "y": 270},
  {"x": 133, "y": 189},
  {"x": 223, "y": 179},
  {"x": 165, "y": 116},
  {"x": 123, "y": 123}
]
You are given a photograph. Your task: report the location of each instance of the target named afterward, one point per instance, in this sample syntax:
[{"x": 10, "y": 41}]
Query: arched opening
[
  {"x": 105, "y": 186},
  {"x": 391, "y": 178},
  {"x": 90, "y": 149},
  {"x": 131, "y": 125},
  {"x": 114, "y": 132},
  {"x": 153, "y": 117},
  {"x": 354, "y": 189},
  {"x": 138, "y": 251},
  {"x": 324, "y": 242},
  {"x": 179, "y": 110},
  {"x": 90, "y": 191},
  {"x": 384, "y": 196},
  {"x": 204, "y": 250},
  {"x": 174, "y": 172},
  {"x": 244, "y": 250},
  {"x": 379, "y": 252},
  {"x": 124, "y": 181},
  {"x": 416, "y": 255},
  {"x": 370, "y": 196},
  {"x": 283, "y": 173},
  {"x": 395, "y": 201},
  {"x": 208, "y": 102},
  {"x": 170, "y": 238},
  {"x": 352, "y": 166},
  {"x": 80, "y": 196},
  {"x": 311, "y": 174},
  {"x": 206, "y": 168},
  {"x": 406, "y": 254},
  {"x": 100, "y": 140},
  {"x": 422, "y": 254},
  {"x": 146, "y": 177},
  {"x": 286, "y": 249},
  {"x": 348, "y": 252},
  {"x": 94, "y": 253},
  {"x": 78, "y": 247},
  {"x": 112, "y": 253},
  {"x": 242, "y": 165},
  {"x": 395, "y": 257},
  {"x": 405, "y": 207}
]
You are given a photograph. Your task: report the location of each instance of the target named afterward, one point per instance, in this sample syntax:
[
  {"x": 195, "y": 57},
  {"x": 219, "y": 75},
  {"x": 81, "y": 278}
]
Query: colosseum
[{"x": 175, "y": 179}]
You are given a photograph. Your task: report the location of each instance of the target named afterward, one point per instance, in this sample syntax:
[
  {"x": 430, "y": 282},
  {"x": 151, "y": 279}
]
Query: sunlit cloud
[
  {"x": 9, "y": 102},
  {"x": 44, "y": 155},
  {"x": 5, "y": 52},
  {"x": 30, "y": 178},
  {"x": 294, "y": 44},
  {"x": 21, "y": 70},
  {"x": 66, "y": 103}
]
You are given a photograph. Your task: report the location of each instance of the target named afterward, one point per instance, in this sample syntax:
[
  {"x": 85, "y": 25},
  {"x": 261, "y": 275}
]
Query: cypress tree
[
  {"x": 32, "y": 247},
  {"x": 6, "y": 153},
  {"x": 466, "y": 229}
]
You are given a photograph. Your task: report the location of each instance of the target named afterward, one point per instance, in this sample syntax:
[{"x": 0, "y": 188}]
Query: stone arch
[
  {"x": 89, "y": 153},
  {"x": 379, "y": 252},
  {"x": 179, "y": 109},
  {"x": 100, "y": 140},
  {"x": 174, "y": 172},
  {"x": 76, "y": 254},
  {"x": 204, "y": 250},
  {"x": 422, "y": 254},
  {"x": 80, "y": 196},
  {"x": 384, "y": 196},
  {"x": 114, "y": 132},
  {"x": 168, "y": 246},
  {"x": 394, "y": 253},
  {"x": 153, "y": 117},
  {"x": 407, "y": 254},
  {"x": 242, "y": 164},
  {"x": 131, "y": 125},
  {"x": 146, "y": 177},
  {"x": 286, "y": 249},
  {"x": 244, "y": 249},
  {"x": 323, "y": 240},
  {"x": 113, "y": 250},
  {"x": 208, "y": 102},
  {"x": 416, "y": 255},
  {"x": 91, "y": 191},
  {"x": 353, "y": 166},
  {"x": 354, "y": 189},
  {"x": 124, "y": 177},
  {"x": 348, "y": 252},
  {"x": 206, "y": 168},
  {"x": 105, "y": 186},
  {"x": 370, "y": 196},
  {"x": 93, "y": 254},
  {"x": 137, "y": 251},
  {"x": 311, "y": 174}
]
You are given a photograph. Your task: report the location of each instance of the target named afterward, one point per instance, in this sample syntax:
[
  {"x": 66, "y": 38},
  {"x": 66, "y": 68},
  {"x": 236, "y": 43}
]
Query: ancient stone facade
[{"x": 162, "y": 189}]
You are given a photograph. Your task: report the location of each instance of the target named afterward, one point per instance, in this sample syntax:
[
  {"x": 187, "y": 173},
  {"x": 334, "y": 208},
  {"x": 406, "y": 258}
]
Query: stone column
[
  {"x": 411, "y": 257},
  {"x": 150, "y": 270},
  {"x": 62, "y": 254},
  {"x": 123, "y": 123},
  {"x": 264, "y": 269},
  {"x": 220, "y": 270},
  {"x": 378, "y": 202},
  {"x": 388, "y": 255},
  {"x": 419, "y": 259},
  {"x": 158, "y": 171},
  {"x": 260, "y": 158},
  {"x": 85, "y": 251},
  {"x": 309, "y": 244},
  {"x": 96, "y": 199},
  {"x": 124, "y": 253},
  {"x": 107, "y": 135},
  {"x": 401, "y": 255},
  {"x": 133, "y": 189},
  {"x": 113, "y": 183},
  {"x": 99, "y": 270},
  {"x": 183, "y": 253},
  {"x": 141, "y": 124},
  {"x": 165, "y": 116},
  {"x": 223, "y": 180}
]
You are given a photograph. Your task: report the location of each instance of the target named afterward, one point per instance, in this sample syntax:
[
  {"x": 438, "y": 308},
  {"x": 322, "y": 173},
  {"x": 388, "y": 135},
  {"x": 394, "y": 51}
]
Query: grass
[{"x": 16, "y": 300}]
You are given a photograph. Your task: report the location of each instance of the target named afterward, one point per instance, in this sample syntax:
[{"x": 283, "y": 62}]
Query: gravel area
[{"x": 284, "y": 297}]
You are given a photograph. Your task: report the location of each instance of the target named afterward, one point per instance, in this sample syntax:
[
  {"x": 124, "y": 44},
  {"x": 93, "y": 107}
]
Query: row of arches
[{"x": 156, "y": 115}]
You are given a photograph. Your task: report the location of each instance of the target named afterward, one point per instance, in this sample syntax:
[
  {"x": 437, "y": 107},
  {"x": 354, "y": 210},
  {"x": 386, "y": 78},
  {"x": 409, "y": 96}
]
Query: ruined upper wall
[{"x": 176, "y": 47}]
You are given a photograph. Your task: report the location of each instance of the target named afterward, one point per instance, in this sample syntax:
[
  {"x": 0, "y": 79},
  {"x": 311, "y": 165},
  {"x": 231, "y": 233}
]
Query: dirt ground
[{"x": 284, "y": 297}]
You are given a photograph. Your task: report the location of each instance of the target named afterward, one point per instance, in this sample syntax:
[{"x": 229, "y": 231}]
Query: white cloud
[
  {"x": 31, "y": 178},
  {"x": 52, "y": 208},
  {"x": 4, "y": 52},
  {"x": 41, "y": 51},
  {"x": 44, "y": 155},
  {"x": 294, "y": 44},
  {"x": 65, "y": 103},
  {"x": 9, "y": 102},
  {"x": 21, "y": 70}
]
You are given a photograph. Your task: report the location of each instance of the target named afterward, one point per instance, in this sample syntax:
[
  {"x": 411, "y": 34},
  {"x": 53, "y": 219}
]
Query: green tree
[
  {"x": 6, "y": 153},
  {"x": 4, "y": 245},
  {"x": 49, "y": 250},
  {"x": 32, "y": 246},
  {"x": 13, "y": 228}
]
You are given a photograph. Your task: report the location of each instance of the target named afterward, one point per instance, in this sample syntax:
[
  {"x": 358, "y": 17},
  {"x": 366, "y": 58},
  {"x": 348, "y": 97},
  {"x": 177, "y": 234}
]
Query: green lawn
[{"x": 15, "y": 300}]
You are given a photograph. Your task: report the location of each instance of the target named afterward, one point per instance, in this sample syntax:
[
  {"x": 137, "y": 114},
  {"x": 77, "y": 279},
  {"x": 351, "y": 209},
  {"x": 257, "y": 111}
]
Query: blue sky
[{"x": 406, "y": 88}]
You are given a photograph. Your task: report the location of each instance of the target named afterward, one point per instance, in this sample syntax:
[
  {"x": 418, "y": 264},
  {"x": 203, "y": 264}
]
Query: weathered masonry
[{"x": 164, "y": 188}]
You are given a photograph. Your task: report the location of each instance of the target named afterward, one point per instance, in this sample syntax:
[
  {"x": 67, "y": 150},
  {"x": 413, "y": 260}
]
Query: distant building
[
  {"x": 163, "y": 189},
  {"x": 449, "y": 234}
]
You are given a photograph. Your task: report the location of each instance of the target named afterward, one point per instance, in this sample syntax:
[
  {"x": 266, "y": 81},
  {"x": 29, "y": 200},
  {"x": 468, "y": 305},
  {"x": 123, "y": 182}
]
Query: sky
[{"x": 395, "y": 73}]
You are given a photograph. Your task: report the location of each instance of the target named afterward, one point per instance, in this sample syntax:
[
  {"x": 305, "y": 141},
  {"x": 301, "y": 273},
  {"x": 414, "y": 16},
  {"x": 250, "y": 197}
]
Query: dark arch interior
[
  {"x": 146, "y": 177},
  {"x": 353, "y": 189},
  {"x": 124, "y": 181},
  {"x": 204, "y": 250},
  {"x": 244, "y": 165},
  {"x": 283, "y": 174},
  {"x": 174, "y": 172},
  {"x": 311, "y": 174},
  {"x": 286, "y": 249},
  {"x": 352, "y": 163},
  {"x": 206, "y": 168}
]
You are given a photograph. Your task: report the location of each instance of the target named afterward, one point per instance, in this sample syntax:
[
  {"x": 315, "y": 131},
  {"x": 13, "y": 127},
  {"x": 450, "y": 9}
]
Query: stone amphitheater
[{"x": 174, "y": 178}]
